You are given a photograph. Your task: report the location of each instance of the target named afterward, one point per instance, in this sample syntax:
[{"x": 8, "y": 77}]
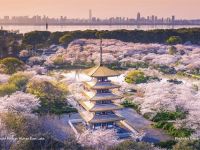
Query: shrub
[{"x": 136, "y": 77}]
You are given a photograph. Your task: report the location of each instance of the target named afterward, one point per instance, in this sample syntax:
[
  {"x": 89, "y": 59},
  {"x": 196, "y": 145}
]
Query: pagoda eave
[
  {"x": 100, "y": 86},
  {"x": 105, "y": 119},
  {"x": 105, "y": 98},
  {"x": 105, "y": 107},
  {"x": 101, "y": 71},
  {"x": 96, "y": 87}
]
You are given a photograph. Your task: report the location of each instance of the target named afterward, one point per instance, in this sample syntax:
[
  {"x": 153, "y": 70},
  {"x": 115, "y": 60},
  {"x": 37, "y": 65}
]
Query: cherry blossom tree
[
  {"x": 19, "y": 102},
  {"x": 100, "y": 139},
  {"x": 164, "y": 96}
]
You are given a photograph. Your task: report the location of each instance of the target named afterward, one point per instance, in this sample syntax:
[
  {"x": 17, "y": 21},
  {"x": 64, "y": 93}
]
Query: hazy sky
[{"x": 101, "y": 8}]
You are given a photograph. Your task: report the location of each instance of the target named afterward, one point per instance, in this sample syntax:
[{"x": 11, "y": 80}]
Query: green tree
[
  {"x": 172, "y": 40},
  {"x": 136, "y": 76},
  {"x": 55, "y": 36},
  {"x": 66, "y": 39},
  {"x": 52, "y": 96},
  {"x": 36, "y": 38},
  {"x": 47, "y": 90},
  {"x": 11, "y": 65}
]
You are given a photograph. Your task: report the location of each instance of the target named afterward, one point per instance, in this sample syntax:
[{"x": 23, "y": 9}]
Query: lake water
[{"x": 28, "y": 28}]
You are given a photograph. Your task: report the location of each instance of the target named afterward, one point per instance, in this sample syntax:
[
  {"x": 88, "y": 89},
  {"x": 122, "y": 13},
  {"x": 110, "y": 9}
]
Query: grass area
[
  {"x": 193, "y": 76},
  {"x": 170, "y": 129},
  {"x": 165, "y": 116},
  {"x": 164, "y": 120},
  {"x": 57, "y": 108}
]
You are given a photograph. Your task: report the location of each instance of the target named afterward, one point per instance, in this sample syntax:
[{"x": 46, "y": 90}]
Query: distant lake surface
[{"x": 28, "y": 28}]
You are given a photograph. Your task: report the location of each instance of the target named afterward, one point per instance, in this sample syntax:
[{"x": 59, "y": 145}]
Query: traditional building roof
[
  {"x": 92, "y": 107},
  {"x": 105, "y": 118},
  {"x": 101, "y": 85},
  {"x": 101, "y": 71},
  {"x": 93, "y": 96},
  {"x": 104, "y": 107},
  {"x": 104, "y": 96}
]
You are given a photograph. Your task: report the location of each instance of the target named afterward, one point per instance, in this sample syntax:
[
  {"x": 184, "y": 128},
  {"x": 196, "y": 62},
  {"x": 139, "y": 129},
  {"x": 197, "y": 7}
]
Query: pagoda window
[
  {"x": 97, "y": 125},
  {"x": 110, "y": 124},
  {"x": 102, "y": 79},
  {"x": 104, "y": 124},
  {"x": 104, "y": 113},
  {"x": 103, "y": 102},
  {"x": 106, "y": 102},
  {"x": 110, "y": 113},
  {"x": 103, "y": 91}
]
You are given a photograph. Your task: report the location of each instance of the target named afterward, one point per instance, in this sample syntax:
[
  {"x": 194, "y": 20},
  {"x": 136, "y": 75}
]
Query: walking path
[{"x": 139, "y": 123}]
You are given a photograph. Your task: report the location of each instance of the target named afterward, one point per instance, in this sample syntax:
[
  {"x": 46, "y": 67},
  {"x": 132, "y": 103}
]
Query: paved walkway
[
  {"x": 139, "y": 123},
  {"x": 58, "y": 126}
]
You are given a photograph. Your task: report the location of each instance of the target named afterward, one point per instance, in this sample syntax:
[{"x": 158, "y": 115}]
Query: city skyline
[
  {"x": 93, "y": 20},
  {"x": 101, "y": 8}
]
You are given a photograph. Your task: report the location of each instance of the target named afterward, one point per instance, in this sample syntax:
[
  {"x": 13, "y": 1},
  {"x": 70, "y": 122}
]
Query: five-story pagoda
[{"x": 99, "y": 105}]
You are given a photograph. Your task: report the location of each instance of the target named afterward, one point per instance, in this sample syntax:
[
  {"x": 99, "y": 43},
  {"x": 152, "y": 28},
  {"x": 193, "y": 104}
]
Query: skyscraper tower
[
  {"x": 173, "y": 20},
  {"x": 138, "y": 16},
  {"x": 90, "y": 15}
]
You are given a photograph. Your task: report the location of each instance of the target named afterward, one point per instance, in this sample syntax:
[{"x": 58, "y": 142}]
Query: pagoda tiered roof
[
  {"x": 95, "y": 85},
  {"x": 99, "y": 105},
  {"x": 105, "y": 118},
  {"x": 105, "y": 107},
  {"x": 94, "y": 107},
  {"x": 104, "y": 96},
  {"x": 101, "y": 71},
  {"x": 93, "y": 96}
]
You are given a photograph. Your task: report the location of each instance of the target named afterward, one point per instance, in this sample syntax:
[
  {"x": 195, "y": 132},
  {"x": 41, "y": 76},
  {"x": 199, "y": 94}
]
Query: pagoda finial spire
[{"x": 101, "y": 51}]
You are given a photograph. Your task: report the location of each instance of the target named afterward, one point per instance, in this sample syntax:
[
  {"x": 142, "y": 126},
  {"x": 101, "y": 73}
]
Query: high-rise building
[
  {"x": 138, "y": 16},
  {"x": 173, "y": 19},
  {"x": 90, "y": 15}
]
